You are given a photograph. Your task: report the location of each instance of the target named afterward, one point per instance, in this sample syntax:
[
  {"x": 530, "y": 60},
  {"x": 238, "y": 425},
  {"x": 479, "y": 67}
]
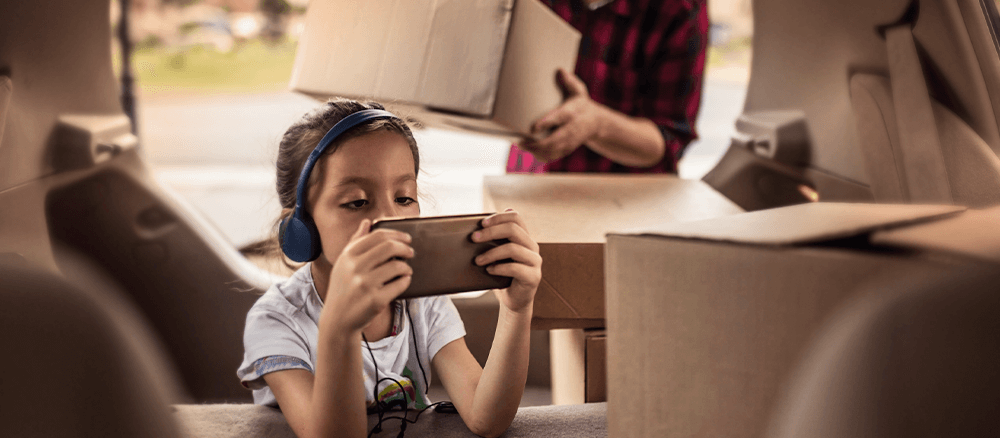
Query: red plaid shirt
[{"x": 644, "y": 58}]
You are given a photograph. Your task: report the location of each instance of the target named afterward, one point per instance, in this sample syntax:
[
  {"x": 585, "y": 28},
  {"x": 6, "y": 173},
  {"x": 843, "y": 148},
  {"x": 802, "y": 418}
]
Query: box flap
[
  {"x": 462, "y": 61},
  {"x": 582, "y": 208},
  {"x": 800, "y": 224},
  {"x": 441, "y": 53},
  {"x": 527, "y": 85},
  {"x": 345, "y": 41},
  {"x": 975, "y": 233}
]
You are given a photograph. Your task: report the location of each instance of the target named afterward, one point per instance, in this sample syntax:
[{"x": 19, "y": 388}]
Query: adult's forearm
[
  {"x": 501, "y": 385},
  {"x": 626, "y": 140},
  {"x": 337, "y": 408}
]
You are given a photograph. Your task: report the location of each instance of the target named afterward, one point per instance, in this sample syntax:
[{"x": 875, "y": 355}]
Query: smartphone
[{"x": 444, "y": 255}]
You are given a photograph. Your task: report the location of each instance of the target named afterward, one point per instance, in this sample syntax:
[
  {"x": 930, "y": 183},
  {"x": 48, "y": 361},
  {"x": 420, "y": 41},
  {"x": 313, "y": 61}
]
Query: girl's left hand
[{"x": 526, "y": 264}]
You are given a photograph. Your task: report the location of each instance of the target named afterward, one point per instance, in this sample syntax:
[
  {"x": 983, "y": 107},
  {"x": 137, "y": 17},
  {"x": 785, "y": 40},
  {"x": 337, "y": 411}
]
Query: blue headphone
[{"x": 297, "y": 234}]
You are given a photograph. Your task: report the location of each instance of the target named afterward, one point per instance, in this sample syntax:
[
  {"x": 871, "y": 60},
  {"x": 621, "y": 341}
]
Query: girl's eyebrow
[
  {"x": 356, "y": 180},
  {"x": 361, "y": 181}
]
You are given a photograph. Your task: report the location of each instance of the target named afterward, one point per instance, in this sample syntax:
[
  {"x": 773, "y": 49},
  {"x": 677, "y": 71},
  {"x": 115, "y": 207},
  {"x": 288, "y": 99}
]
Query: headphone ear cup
[{"x": 299, "y": 239}]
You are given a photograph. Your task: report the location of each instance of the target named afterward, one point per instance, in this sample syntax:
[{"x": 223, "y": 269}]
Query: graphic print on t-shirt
[{"x": 395, "y": 396}]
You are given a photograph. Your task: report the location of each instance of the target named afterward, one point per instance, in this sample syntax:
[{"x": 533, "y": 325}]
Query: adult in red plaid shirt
[{"x": 633, "y": 100}]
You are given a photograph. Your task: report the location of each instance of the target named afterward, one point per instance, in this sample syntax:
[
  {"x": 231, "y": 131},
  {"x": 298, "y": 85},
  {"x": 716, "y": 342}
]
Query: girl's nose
[{"x": 388, "y": 209}]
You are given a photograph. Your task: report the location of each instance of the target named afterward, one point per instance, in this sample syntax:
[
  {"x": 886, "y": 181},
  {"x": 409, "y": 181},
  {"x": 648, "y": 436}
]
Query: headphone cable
[{"x": 416, "y": 350}]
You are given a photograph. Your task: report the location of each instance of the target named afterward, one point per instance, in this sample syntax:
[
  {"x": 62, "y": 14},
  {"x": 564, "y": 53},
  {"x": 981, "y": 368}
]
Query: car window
[{"x": 727, "y": 73}]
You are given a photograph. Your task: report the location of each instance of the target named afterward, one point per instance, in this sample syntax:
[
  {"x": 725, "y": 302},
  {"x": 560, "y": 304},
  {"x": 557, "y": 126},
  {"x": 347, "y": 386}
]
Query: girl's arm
[
  {"x": 331, "y": 403},
  {"x": 487, "y": 398}
]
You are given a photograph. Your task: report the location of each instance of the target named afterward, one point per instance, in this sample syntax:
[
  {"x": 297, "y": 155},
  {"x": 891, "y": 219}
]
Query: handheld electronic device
[{"x": 444, "y": 254}]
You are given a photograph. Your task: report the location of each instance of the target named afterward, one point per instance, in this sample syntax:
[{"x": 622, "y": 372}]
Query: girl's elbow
[
  {"x": 486, "y": 432},
  {"x": 488, "y": 429}
]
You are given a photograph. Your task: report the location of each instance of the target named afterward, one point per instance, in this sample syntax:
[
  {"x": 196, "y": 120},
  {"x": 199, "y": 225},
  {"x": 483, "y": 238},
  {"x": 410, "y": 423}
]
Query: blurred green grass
[
  {"x": 735, "y": 52},
  {"x": 260, "y": 66},
  {"x": 251, "y": 66}
]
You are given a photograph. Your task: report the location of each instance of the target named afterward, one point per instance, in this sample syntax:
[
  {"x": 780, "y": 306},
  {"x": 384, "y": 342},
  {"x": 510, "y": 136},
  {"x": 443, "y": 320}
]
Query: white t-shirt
[{"x": 282, "y": 329}]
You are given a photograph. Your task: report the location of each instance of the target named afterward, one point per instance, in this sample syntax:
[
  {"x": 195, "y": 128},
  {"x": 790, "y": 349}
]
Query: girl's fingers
[
  {"x": 508, "y": 230},
  {"x": 503, "y": 217},
  {"x": 518, "y": 271},
  {"x": 393, "y": 289},
  {"x": 385, "y": 274},
  {"x": 511, "y": 251},
  {"x": 382, "y": 252},
  {"x": 365, "y": 243},
  {"x": 363, "y": 228}
]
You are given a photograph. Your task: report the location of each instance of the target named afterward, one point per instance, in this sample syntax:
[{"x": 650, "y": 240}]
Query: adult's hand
[
  {"x": 573, "y": 123},
  {"x": 631, "y": 141}
]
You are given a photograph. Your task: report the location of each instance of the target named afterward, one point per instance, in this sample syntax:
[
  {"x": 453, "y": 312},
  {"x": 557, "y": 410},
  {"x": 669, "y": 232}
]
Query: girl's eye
[
  {"x": 355, "y": 205},
  {"x": 403, "y": 200}
]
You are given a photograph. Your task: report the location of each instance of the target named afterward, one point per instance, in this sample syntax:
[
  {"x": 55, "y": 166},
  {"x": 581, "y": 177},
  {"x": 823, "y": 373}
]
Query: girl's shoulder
[
  {"x": 430, "y": 304},
  {"x": 434, "y": 309},
  {"x": 289, "y": 295}
]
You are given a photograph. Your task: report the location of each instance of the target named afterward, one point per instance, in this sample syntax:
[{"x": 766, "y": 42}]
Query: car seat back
[
  {"x": 824, "y": 60},
  {"x": 79, "y": 361},
  {"x": 911, "y": 358}
]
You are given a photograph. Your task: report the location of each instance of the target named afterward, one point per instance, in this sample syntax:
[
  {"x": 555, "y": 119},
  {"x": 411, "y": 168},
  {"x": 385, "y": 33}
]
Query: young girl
[{"x": 333, "y": 339}]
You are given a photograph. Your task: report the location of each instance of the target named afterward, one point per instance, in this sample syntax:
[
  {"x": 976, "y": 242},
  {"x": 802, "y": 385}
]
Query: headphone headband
[
  {"x": 352, "y": 120},
  {"x": 298, "y": 235}
]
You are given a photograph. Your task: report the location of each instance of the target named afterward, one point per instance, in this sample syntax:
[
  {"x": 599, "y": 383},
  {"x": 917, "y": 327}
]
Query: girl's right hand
[{"x": 367, "y": 276}]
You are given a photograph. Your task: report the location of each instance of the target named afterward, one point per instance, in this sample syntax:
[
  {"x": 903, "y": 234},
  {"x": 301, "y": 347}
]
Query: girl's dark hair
[{"x": 299, "y": 141}]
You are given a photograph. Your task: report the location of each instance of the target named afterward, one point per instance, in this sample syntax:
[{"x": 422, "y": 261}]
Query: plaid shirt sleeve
[{"x": 644, "y": 58}]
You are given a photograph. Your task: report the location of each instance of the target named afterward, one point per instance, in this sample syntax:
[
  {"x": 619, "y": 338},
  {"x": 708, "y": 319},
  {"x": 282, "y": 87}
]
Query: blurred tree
[{"x": 275, "y": 12}]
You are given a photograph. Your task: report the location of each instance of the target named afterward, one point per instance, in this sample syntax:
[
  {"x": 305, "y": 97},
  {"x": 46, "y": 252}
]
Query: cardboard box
[
  {"x": 579, "y": 371},
  {"x": 569, "y": 215},
  {"x": 706, "y": 319},
  {"x": 486, "y": 66}
]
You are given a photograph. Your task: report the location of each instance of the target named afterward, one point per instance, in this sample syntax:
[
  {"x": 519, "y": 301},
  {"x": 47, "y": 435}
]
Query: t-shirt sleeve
[
  {"x": 444, "y": 323},
  {"x": 271, "y": 342},
  {"x": 671, "y": 92}
]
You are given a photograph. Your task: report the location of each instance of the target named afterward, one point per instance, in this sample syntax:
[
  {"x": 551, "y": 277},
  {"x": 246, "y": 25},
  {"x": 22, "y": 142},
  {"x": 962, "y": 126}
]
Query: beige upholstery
[
  {"x": 926, "y": 177},
  {"x": 6, "y": 89},
  {"x": 246, "y": 420},
  {"x": 871, "y": 97},
  {"x": 77, "y": 361},
  {"x": 973, "y": 168},
  {"x": 914, "y": 358}
]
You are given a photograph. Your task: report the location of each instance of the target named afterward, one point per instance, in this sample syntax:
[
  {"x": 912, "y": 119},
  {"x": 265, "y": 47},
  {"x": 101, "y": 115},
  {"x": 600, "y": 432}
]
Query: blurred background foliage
[{"x": 206, "y": 46}]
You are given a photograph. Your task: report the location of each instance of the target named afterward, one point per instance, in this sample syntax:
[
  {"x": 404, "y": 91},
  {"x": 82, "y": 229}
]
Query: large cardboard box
[
  {"x": 487, "y": 66},
  {"x": 569, "y": 215},
  {"x": 706, "y": 319}
]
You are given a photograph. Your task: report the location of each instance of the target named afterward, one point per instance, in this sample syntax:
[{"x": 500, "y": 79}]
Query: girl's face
[{"x": 368, "y": 177}]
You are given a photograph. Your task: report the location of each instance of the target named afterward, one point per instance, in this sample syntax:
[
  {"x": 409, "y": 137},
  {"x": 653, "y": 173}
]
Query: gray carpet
[{"x": 246, "y": 420}]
